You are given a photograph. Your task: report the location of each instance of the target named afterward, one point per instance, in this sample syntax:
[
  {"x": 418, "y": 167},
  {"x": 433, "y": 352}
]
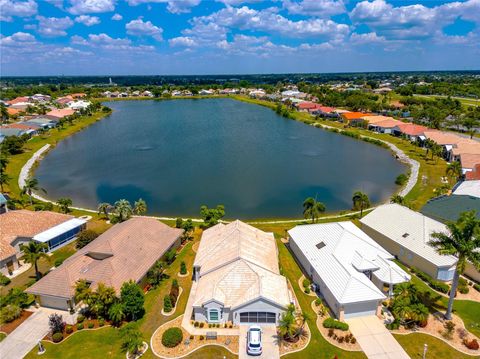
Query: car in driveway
[{"x": 254, "y": 340}]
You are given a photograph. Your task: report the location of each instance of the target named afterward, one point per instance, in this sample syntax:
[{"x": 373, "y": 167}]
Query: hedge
[
  {"x": 335, "y": 324},
  {"x": 438, "y": 286},
  {"x": 172, "y": 337},
  {"x": 477, "y": 287}
]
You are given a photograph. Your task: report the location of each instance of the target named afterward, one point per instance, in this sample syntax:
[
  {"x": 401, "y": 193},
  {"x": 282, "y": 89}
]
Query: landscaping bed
[
  {"x": 7, "y": 328},
  {"x": 87, "y": 324},
  {"x": 189, "y": 343}
]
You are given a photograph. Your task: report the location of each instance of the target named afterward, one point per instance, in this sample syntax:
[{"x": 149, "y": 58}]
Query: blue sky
[{"x": 138, "y": 37}]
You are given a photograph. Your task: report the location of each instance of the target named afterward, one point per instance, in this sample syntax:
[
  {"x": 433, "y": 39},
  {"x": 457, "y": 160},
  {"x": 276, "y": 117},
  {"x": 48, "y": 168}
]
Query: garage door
[
  {"x": 53, "y": 302},
  {"x": 360, "y": 309},
  {"x": 257, "y": 317}
]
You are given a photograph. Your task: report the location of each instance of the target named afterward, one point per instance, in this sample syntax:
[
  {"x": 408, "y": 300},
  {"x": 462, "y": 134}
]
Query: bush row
[
  {"x": 435, "y": 284},
  {"x": 335, "y": 324}
]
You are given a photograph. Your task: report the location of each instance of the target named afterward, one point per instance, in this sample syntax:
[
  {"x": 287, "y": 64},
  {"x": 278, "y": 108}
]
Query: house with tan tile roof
[
  {"x": 22, "y": 226},
  {"x": 386, "y": 126},
  {"x": 61, "y": 113},
  {"x": 124, "y": 252},
  {"x": 410, "y": 130},
  {"x": 237, "y": 277}
]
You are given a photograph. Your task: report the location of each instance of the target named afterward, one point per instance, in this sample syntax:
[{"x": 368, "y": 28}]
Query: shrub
[
  {"x": 183, "y": 268},
  {"x": 4, "y": 280},
  {"x": 202, "y": 337},
  {"x": 393, "y": 325},
  {"x": 330, "y": 332},
  {"x": 172, "y": 337},
  {"x": 318, "y": 301},
  {"x": 341, "y": 339},
  {"x": 69, "y": 329},
  {"x": 10, "y": 312},
  {"x": 202, "y": 325},
  {"x": 79, "y": 326},
  {"x": 477, "y": 287},
  {"x": 196, "y": 324},
  {"x": 401, "y": 179},
  {"x": 80, "y": 319},
  {"x": 167, "y": 304},
  {"x": 471, "y": 344},
  {"x": 57, "y": 337},
  {"x": 306, "y": 283},
  {"x": 463, "y": 290},
  {"x": 91, "y": 325},
  {"x": 59, "y": 261},
  {"x": 192, "y": 336},
  {"x": 170, "y": 256},
  {"x": 101, "y": 322},
  {"x": 335, "y": 324},
  {"x": 56, "y": 323},
  {"x": 353, "y": 340},
  {"x": 85, "y": 237},
  {"x": 307, "y": 290}
]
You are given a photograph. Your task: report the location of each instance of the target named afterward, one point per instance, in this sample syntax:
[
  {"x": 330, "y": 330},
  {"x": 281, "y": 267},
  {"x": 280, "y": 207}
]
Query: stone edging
[
  {"x": 187, "y": 354},
  {"x": 432, "y": 335},
  {"x": 175, "y": 307},
  {"x": 138, "y": 356},
  {"x": 300, "y": 285},
  {"x": 183, "y": 275},
  {"x": 306, "y": 344}
]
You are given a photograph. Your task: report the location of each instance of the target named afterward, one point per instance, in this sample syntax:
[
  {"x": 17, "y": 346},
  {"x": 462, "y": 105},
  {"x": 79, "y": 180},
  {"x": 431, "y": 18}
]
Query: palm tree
[
  {"x": 32, "y": 252},
  {"x": 140, "y": 207},
  {"x": 408, "y": 291},
  {"x": 4, "y": 179},
  {"x": 31, "y": 184},
  {"x": 64, "y": 204},
  {"x": 82, "y": 290},
  {"x": 312, "y": 208},
  {"x": 418, "y": 312},
  {"x": 462, "y": 241},
  {"x": 454, "y": 170},
  {"x": 104, "y": 208},
  {"x": 286, "y": 325},
  {"x": 396, "y": 198},
  {"x": 360, "y": 202},
  {"x": 116, "y": 313},
  {"x": 123, "y": 210},
  {"x": 304, "y": 316}
]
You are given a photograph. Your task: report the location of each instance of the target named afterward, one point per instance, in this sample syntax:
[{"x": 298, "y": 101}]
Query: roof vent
[
  {"x": 320, "y": 245},
  {"x": 405, "y": 235}
]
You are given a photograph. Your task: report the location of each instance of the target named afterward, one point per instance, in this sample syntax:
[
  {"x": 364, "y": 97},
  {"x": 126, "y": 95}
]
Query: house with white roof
[
  {"x": 406, "y": 233},
  {"x": 237, "y": 278},
  {"x": 347, "y": 266}
]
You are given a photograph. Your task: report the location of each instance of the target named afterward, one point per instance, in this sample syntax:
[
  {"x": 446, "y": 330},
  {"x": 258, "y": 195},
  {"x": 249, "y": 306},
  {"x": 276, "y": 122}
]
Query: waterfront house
[
  {"x": 410, "y": 130},
  {"x": 236, "y": 277},
  {"x": 474, "y": 174},
  {"x": 406, "y": 233},
  {"x": 64, "y": 100},
  {"x": 446, "y": 140},
  {"x": 385, "y": 126},
  {"x": 22, "y": 226},
  {"x": 468, "y": 162},
  {"x": 124, "y": 252},
  {"x": 79, "y": 105},
  {"x": 353, "y": 118},
  {"x": 205, "y": 92},
  {"x": 17, "y": 100},
  {"x": 61, "y": 113},
  {"x": 6, "y": 131},
  {"x": 324, "y": 111},
  {"x": 349, "y": 269},
  {"x": 13, "y": 111}
]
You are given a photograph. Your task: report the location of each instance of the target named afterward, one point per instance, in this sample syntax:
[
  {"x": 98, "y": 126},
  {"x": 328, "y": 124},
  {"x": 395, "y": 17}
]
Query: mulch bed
[
  {"x": 10, "y": 327},
  {"x": 85, "y": 323}
]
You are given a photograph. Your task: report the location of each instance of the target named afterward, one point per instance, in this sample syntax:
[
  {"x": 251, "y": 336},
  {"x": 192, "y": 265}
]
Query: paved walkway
[
  {"x": 374, "y": 339},
  {"x": 25, "y": 337},
  {"x": 270, "y": 349}
]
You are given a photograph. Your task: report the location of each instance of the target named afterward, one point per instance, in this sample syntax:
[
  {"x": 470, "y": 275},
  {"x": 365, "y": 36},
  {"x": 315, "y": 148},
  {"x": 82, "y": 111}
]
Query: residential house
[
  {"x": 41, "y": 98},
  {"x": 147, "y": 94},
  {"x": 79, "y": 105},
  {"x": 6, "y": 131},
  {"x": 22, "y": 226},
  {"x": 410, "y": 130},
  {"x": 124, "y": 252},
  {"x": 17, "y": 100},
  {"x": 385, "y": 126},
  {"x": 13, "y": 111},
  {"x": 350, "y": 270},
  {"x": 468, "y": 162},
  {"x": 257, "y": 93},
  {"x": 236, "y": 277},
  {"x": 78, "y": 95},
  {"x": 324, "y": 111},
  {"x": 64, "y": 100},
  {"x": 406, "y": 233},
  {"x": 306, "y": 106},
  {"x": 61, "y": 113},
  {"x": 205, "y": 92},
  {"x": 446, "y": 140},
  {"x": 353, "y": 118},
  {"x": 474, "y": 174}
]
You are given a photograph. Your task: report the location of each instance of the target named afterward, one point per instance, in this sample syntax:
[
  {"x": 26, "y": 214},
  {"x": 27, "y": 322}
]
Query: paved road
[
  {"x": 23, "y": 339},
  {"x": 269, "y": 342},
  {"x": 374, "y": 339}
]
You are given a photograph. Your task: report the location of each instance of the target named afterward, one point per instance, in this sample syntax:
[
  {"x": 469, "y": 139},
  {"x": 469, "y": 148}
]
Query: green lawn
[
  {"x": 2, "y": 336},
  {"x": 437, "y": 349},
  {"x": 317, "y": 343}
]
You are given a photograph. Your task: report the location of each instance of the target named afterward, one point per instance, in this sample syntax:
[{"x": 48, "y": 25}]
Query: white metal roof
[
  {"x": 340, "y": 263},
  {"x": 468, "y": 188},
  {"x": 53, "y": 232},
  {"x": 410, "y": 229}
]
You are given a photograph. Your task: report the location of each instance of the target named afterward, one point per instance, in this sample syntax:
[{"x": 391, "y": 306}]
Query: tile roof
[
  {"x": 412, "y": 129},
  {"x": 13, "y": 111},
  {"x": 443, "y": 138},
  {"x": 469, "y": 160},
  {"x": 349, "y": 116},
  {"x": 373, "y": 119},
  {"x": 124, "y": 252},
  {"x": 410, "y": 229},
  {"x": 239, "y": 263},
  {"x": 467, "y": 146},
  {"x": 18, "y": 100},
  {"x": 474, "y": 174},
  {"x": 23, "y": 223},
  {"x": 388, "y": 123},
  {"x": 61, "y": 113},
  {"x": 345, "y": 254}
]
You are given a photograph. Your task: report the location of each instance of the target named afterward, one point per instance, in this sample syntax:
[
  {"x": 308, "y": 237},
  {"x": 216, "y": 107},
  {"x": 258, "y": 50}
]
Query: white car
[{"x": 254, "y": 340}]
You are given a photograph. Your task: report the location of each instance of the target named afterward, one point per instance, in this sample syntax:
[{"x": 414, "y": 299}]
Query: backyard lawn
[{"x": 437, "y": 349}]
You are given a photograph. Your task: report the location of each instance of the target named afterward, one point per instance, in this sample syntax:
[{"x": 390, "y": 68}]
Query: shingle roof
[
  {"x": 347, "y": 251},
  {"x": 238, "y": 264},
  {"x": 410, "y": 229},
  {"x": 124, "y": 252},
  {"x": 27, "y": 224}
]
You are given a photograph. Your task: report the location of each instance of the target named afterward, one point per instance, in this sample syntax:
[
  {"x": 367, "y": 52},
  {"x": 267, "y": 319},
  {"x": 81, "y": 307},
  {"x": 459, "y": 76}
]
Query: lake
[{"x": 180, "y": 154}]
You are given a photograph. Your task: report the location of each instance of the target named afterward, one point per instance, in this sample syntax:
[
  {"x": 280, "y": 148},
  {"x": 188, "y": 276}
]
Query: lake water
[{"x": 180, "y": 154}]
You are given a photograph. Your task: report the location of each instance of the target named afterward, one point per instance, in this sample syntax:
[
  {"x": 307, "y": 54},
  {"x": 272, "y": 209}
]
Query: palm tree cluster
[
  {"x": 122, "y": 210},
  {"x": 407, "y": 306},
  {"x": 291, "y": 325}
]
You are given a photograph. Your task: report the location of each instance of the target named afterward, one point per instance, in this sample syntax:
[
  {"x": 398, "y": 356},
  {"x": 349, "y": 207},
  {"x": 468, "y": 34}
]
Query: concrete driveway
[
  {"x": 269, "y": 342},
  {"x": 374, "y": 339}
]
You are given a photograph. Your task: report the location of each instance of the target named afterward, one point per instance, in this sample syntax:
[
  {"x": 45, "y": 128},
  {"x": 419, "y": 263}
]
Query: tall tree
[
  {"x": 4, "y": 179},
  {"x": 104, "y": 208},
  {"x": 32, "y": 252},
  {"x": 462, "y": 241},
  {"x": 64, "y": 204},
  {"x": 31, "y": 185},
  {"x": 454, "y": 170},
  {"x": 140, "y": 207},
  {"x": 132, "y": 298},
  {"x": 123, "y": 210},
  {"x": 396, "y": 198},
  {"x": 360, "y": 202},
  {"x": 312, "y": 208}
]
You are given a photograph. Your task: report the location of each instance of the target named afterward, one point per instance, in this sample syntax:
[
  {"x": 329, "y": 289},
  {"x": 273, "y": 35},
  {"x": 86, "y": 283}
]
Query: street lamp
[{"x": 425, "y": 348}]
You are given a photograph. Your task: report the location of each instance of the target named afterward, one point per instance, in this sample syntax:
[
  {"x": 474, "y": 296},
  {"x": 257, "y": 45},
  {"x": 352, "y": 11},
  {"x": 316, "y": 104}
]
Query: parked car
[{"x": 254, "y": 340}]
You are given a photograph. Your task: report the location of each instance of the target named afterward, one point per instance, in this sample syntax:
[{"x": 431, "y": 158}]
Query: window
[
  {"x": 213, "y": 315},
  {"x": 405, "y": 235},
  {"x": 320, "y": 245}
]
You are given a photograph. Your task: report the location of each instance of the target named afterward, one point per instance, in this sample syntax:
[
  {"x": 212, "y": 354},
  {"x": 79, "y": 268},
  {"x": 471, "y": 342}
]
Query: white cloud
[
  {"x": 184, "y": 41},
  {"x": 105, "y": 42},
  {"x": 9, "y": 8},
  {"x": 173, "y": 6},
  {"x": 238, "y": 2},
  {"x": 79, "y": 7},
  {"x": 144, "y": 28},
  {"x": 117, "y": 17},
  {"x": 320, "y": 8},
  {"x": 53, "y": 26},
  {"x": 367, "y": 38},
  {"x": 18, "y": 39},
  {"x": 88, "y": 20}
]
